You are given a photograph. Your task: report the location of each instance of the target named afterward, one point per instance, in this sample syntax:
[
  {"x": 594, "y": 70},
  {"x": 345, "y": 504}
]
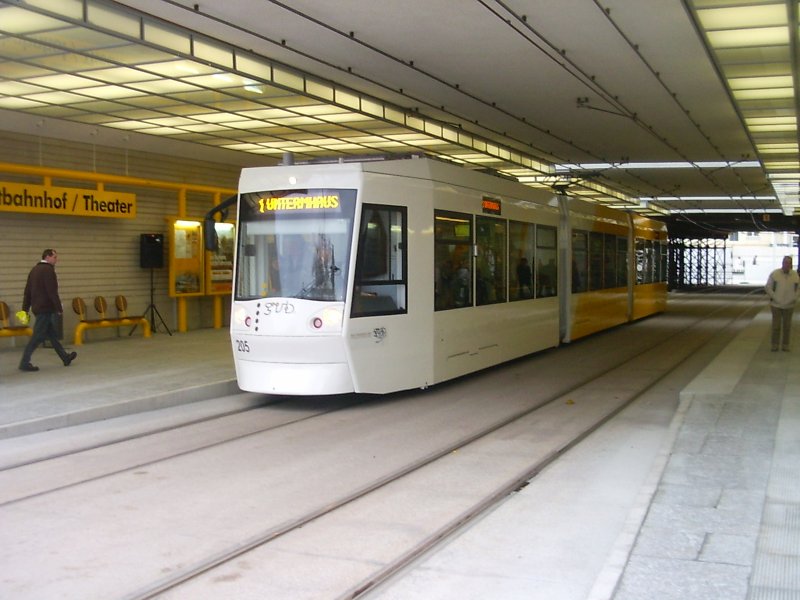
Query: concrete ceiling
[{"x": 559, "y": 81}]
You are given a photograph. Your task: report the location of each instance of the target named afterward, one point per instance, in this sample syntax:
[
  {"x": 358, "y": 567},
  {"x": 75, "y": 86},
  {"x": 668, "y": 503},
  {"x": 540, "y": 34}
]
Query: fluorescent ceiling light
[
  {"x": 111, "y": 92},
  {"x": 171, "y": 121},
  {"x": 133, "y": 125},
  {"x": 62, "y": 82},
  {"x": 163, "y": 86},
  {"x": 19, "y": 20},
  {"x": 708, "y": 198},
  {"x": 178, "y": 68},
  {"x": 771, "y": 120},
  {"x": 742, "y": 38},
  {"x": 119, "y": 75},
  {"x": 768, "y": 128},
  {"x": 57, "y": 98},
  {"x": 784, "y": 164},
  {"x": 19, "y": 103},
  {"x": 316, "y": 109},
  {"x": 248, "y": 124},
  {"x": 220, "y": 117},
  {"x": 764, "y": 94},
  {"x": 753, "y": 83},
  {"x": 345, "y": 118},
  {"x": 715, "y": 211},
  {"x": 203, "y": 128},
  {"x": 743, "y": 16},
  {"x": 658, "y": 165}
]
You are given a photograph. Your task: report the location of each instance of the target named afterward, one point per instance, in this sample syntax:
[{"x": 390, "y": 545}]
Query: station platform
[
  {"x": 723, "y": 520},
  {"x": 113, "y": 378},
  {"x": 716, "y": 517},
  {"x": 719, "y": 517}
]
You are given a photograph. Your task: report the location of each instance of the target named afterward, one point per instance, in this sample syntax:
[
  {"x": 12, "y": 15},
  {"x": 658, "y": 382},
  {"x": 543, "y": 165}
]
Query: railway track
[{"x": 368, "y": 487}]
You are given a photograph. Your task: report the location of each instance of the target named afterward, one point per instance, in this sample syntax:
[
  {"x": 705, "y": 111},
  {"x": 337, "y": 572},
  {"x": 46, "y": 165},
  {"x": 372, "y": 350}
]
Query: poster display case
[
  {"x": 186, "y": 258},
  {"x": 219, "y": 263}
]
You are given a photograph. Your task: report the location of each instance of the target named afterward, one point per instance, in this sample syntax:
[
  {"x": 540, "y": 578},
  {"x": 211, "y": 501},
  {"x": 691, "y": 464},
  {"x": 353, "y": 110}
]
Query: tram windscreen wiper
[{"x": 315, "y": 293}]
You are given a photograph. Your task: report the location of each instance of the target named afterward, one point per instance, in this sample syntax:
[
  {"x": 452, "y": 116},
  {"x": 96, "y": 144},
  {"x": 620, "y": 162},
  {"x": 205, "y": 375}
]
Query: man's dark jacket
[{"x": 41, "y": 291}]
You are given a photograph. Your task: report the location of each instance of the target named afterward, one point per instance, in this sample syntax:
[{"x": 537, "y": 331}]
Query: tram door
[{"x": 383, "y": 335}]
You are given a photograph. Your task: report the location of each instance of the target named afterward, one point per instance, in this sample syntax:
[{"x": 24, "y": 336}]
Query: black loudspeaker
[{"x": 151, "y": 251}]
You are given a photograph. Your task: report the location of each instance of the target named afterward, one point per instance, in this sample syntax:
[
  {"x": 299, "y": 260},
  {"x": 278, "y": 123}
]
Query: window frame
[
  {"x": 441, "y": 300},
  {"x": 358, "y": 310}
]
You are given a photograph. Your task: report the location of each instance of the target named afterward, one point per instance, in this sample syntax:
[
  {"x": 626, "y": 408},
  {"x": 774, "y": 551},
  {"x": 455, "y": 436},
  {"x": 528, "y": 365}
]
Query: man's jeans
[
  {"x": 45, "y": 328},
  {"x": 781, "y": 327}
]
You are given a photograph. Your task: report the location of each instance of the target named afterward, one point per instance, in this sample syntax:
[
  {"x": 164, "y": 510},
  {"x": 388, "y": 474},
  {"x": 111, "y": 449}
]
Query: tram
[{"x": 380, "y": 276}]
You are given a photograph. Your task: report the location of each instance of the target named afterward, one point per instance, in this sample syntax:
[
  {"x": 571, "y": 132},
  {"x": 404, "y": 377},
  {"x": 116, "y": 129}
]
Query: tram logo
[
  {"x": 270, "y": 308},
  {"x": 379, "y": 333}
]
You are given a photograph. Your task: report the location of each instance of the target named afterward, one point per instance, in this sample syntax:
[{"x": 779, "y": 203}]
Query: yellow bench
[
  {"x": 7, "y": 330},
  {"x": 101, "y": 306}
]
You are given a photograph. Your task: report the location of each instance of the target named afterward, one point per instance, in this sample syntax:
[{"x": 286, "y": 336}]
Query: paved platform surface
[
  {"x": 717, "y": 518},
  {"x": 112, "y": 378},
  {"x": 720, "y": 519},
  {"x": 724, "y": 521}
]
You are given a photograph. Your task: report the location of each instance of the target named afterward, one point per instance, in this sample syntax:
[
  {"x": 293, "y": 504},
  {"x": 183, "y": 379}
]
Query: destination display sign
[
  {"x": 75, "y": 202},
  {"x": 490, "y": 206},
  {"x": 329, "y": 201}
]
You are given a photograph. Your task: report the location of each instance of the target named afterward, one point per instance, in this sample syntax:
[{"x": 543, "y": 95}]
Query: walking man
[
  {"x": 783, "y": 289},
  {"x": 41, "y": 296}
]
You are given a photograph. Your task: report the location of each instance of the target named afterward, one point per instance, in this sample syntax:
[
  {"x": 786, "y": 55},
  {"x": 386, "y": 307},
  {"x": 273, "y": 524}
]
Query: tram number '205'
[{"x": 242, "y": 346}]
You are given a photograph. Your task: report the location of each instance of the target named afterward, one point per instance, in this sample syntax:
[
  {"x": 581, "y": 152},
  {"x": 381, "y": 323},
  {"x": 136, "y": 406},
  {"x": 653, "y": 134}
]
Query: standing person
[
  {"x": 41, "y": 296},
  {"x": 524, "y": 278},
  {"x": 783, "y": 289}
]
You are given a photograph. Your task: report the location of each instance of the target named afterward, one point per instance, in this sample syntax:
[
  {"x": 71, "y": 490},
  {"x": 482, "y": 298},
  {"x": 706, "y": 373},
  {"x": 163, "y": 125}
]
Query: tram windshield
[{"x": 294, "y": 244}]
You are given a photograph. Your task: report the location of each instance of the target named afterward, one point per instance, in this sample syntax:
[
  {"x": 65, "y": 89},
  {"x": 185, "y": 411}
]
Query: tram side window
[
  {"x": 521, "y": 250},
  {"x": 644, "y": 261},
  {"x": 380, "y": 286},
  {"x": 490, "y": 268},
  {"x": 546, "y": 252},
  {"x": 580, "y": 262},
  {"x": 660, "y": 259},
  {"x": 609, "y": 261},
  {"x": 595, "y": 261},
  {"x": 622, "y": 261},
  {"x": 639, "y": 256},
  {"x": 452, "y": 260}
]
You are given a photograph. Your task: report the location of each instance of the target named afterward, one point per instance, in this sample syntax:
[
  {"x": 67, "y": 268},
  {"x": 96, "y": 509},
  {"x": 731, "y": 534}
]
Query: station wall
[{"x": 100, "y": 256}]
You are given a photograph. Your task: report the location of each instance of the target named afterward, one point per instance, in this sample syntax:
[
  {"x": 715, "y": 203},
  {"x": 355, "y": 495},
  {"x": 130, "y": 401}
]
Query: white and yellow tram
[{"x": 387, "y": 275}]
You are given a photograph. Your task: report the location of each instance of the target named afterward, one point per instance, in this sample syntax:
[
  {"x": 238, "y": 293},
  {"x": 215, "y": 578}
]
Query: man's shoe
[
  {"x": 774, "y": 348},
  {"x": 786, "y": 348},
  {"x": 70, "y": 357},
  {"x": 28, "y": 367}
]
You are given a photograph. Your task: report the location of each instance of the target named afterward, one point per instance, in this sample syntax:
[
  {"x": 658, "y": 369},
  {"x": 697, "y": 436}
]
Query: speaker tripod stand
[{"x": 153, "y": 310}]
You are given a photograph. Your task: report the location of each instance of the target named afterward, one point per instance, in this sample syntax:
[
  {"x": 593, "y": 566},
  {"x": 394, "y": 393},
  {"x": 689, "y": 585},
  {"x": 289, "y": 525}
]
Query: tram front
[{"x": 292, "y": 263}]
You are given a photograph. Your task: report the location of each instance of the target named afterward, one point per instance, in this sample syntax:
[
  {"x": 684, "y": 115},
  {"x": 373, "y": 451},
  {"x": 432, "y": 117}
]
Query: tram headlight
[
  {"x": 329, "y": 319},
  {"x": 241, "y": 318}
]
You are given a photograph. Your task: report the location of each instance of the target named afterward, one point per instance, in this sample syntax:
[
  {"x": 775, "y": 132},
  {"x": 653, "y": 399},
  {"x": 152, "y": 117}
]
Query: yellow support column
[
  {"x": 182, "y": 203},
  {"x": 217, "y": 312},
  {"x": 182, "y": 324},
  {"x": 215, "y": 199}
]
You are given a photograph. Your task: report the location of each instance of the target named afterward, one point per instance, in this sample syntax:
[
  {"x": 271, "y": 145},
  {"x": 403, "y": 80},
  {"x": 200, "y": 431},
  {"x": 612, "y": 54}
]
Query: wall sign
[{"x": 75, "y": 202}]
